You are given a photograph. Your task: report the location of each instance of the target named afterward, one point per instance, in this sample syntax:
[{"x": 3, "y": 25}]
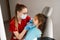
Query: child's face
[{"x": 35, "y": 21}]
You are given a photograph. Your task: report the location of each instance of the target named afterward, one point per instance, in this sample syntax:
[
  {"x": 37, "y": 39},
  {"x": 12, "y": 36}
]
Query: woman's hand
[{"x": 19, "y": 36}]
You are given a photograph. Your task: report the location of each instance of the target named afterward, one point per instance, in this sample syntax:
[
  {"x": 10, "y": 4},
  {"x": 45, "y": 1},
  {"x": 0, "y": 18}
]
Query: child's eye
[{"x": 35, "y": 19}]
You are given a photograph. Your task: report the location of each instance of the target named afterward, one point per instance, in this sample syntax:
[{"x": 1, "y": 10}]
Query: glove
[
  {"x": 27, "y": 27},
  {"x": 30, "y": 25},
  {"x": 31, "y": 21}
]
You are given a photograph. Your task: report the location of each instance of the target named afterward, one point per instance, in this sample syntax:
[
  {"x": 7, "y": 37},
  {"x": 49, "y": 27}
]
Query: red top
[{"x": 20, "y": 26}]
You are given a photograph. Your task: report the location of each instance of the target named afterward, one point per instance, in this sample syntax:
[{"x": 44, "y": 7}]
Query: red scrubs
[{"x": 20, "y": 26}]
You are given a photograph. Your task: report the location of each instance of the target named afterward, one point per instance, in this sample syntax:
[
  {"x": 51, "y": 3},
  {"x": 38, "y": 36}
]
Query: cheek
[
  {"x": 20, "y": 14},
  {"x": 35, "y": 22}
]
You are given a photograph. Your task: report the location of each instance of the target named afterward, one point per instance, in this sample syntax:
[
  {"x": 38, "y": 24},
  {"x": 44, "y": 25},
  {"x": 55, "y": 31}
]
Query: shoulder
[
  {"x": 38, "y": 32},
  {"x": 28, "y": 18}
]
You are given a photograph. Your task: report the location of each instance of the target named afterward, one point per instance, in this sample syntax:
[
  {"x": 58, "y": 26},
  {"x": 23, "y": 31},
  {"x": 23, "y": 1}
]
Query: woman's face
[
  {"x": 22, "y": 13},
  {"x": 35, "y": 20}
]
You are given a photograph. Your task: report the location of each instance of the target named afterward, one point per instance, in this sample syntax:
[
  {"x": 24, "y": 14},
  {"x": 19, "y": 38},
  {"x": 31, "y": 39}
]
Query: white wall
[
  {"x": 36, "y": 6},
  {"x": 2, "y": 29}
]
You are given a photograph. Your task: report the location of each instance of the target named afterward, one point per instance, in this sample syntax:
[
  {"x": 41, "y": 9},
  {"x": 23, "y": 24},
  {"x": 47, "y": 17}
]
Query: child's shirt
[{"x": 33, "y": 32}]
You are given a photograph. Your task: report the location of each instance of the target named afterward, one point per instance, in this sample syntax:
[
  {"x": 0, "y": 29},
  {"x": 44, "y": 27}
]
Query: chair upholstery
[
  {"x": 47, "y": 11},
  {"x": 48, "y": 32}
]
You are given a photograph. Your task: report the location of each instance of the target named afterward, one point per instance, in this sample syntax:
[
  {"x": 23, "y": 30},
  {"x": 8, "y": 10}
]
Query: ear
[{"x": 40, "y": 23}]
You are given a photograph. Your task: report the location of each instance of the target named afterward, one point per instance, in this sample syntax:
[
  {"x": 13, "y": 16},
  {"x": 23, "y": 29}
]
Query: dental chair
[{"x": 48, "y": 32}]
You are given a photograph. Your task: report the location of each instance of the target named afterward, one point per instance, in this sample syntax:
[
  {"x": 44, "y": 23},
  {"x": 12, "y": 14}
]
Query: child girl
[
  {"x": 33, "y": 28},
  {"x": 19, "y": 21}
]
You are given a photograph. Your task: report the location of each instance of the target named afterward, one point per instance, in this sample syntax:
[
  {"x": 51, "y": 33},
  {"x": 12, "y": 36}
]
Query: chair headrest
[{"x": 47, "y": 11}]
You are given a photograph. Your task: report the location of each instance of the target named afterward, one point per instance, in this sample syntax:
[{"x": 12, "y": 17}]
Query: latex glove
[{"x": 29, "y": 25}]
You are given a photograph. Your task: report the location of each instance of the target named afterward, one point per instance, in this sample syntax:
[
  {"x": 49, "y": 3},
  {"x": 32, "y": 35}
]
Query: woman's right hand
[{"x": 29, "y": 26}]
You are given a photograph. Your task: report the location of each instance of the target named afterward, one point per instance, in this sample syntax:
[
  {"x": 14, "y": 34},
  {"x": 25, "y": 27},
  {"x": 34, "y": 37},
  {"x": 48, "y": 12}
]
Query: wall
[
  {"x": 36, "y": 6},
  {"x": 2, "y": 29},
  {"x": 4, "y": 10}
]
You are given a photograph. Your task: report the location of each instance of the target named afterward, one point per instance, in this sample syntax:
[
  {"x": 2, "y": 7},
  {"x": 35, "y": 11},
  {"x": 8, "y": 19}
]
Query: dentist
[{"x": 18, "y": 23}]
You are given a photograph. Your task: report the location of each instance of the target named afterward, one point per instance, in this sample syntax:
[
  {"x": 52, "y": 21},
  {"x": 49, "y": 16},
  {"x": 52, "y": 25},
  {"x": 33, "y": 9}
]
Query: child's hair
[
  {"x": 18, "y": 7},
  {"x": 42, "y": 18}
]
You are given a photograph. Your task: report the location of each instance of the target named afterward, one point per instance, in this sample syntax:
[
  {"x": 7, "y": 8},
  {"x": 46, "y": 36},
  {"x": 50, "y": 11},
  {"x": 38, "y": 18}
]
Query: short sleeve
[
  {"x": 28, "y": 18},
  {"x": 12, "y": 26}
]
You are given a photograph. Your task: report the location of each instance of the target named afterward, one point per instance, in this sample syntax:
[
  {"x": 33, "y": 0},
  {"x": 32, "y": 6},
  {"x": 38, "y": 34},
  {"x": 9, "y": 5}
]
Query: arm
[
  {"x": 15, "y": 31},
  {"x": 19, "y": 36}
]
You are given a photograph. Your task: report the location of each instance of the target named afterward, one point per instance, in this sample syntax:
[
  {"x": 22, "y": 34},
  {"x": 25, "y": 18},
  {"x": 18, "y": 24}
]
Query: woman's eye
[{"x": 24, "y": 13}]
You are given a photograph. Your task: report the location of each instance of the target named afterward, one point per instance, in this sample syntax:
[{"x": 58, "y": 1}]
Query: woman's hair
[
  {"x": 42, "y": 18},
  {"x": 18, "y": 7}
]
